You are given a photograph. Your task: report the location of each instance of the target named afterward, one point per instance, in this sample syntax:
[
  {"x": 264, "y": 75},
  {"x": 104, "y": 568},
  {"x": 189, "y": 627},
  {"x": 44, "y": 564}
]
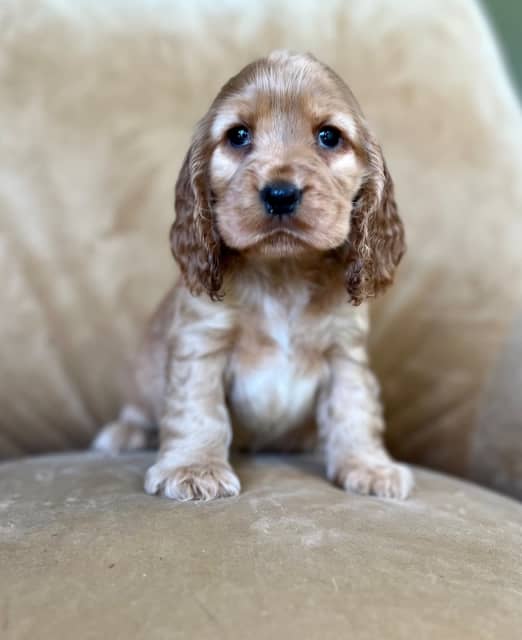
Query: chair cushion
[{"x": 85, "y": 551}]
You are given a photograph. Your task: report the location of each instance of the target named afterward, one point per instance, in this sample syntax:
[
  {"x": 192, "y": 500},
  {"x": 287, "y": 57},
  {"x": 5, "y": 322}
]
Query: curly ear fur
[
  {"x": 194, "y": 239},
  {"x": 376, "y": 240}
]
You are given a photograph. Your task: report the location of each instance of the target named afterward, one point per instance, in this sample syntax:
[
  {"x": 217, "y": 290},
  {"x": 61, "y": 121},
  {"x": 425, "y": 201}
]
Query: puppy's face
[{"x": 283, "y": 164}]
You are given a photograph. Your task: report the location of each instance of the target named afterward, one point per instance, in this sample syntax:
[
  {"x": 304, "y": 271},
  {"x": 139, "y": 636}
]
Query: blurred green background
[{"x": 507, "y": 19}]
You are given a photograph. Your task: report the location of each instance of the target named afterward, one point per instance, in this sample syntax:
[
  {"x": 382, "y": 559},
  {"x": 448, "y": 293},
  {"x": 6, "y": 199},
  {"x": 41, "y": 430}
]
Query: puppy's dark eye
[
  {"x": 239, "y": 137},
  {"x": 328, "y": 137}
]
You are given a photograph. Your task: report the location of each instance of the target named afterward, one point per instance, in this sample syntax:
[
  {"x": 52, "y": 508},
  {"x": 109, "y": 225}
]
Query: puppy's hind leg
[{"x": 132, "y": 431}]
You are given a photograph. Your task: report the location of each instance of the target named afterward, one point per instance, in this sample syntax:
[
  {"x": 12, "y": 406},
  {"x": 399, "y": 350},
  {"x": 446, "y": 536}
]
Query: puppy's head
[{"x": 284, "y": 164}]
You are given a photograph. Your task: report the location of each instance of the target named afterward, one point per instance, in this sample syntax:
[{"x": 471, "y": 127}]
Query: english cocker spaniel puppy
[{"x": 285, "y": 225}]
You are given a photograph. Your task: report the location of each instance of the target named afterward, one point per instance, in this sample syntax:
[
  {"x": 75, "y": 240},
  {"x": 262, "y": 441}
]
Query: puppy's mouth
[{"x": 279, "y": 241}]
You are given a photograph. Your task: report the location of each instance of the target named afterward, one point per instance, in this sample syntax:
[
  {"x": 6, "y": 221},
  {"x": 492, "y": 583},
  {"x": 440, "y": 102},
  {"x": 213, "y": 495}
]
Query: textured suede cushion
[
  {"x": 97, "y": 106},
  {"x": 86, "y": 554}
]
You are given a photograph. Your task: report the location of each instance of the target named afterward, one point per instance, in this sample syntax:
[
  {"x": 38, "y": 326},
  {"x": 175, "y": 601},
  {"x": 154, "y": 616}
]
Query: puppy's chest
[{"x": 274, "y": 373}]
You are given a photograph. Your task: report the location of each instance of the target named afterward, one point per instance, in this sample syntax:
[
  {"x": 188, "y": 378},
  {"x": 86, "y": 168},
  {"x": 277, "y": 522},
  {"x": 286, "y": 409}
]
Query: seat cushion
[{"x": 84, "y": 549}]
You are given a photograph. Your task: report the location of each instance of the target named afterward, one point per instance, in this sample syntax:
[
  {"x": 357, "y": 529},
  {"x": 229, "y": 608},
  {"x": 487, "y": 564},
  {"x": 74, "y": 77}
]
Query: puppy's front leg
[
  {"x": 351, "y": 423},
  {"x": 195, "y": 434}
]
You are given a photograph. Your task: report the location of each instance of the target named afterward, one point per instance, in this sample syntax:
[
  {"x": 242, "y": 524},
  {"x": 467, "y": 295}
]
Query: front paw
[
  {"x": 384, "y": 479},
  {"x": 205, "y": 481}
]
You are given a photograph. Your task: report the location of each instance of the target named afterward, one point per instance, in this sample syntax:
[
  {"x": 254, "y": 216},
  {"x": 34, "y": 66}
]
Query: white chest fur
[{"x": 274, "y": 373}]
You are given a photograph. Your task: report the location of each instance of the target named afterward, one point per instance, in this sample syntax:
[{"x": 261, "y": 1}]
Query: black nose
[{"x": 280, "y": 198}]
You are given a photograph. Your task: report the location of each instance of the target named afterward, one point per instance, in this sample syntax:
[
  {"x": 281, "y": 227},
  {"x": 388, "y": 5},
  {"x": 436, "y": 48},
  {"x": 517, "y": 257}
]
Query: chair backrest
[{"x": 98, "y": 103}]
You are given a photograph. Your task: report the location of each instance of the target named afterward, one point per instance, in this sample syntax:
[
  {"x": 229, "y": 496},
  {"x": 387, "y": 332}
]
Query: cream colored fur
[{"x": 270, "y": 353}]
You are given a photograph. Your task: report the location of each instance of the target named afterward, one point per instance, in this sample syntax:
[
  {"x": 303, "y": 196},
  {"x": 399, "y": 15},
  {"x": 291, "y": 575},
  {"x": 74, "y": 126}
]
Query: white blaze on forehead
[{"x": 288, "y": 76}]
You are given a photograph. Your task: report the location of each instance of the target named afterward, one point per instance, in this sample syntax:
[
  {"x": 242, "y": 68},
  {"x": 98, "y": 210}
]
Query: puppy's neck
[{"x": 319, "y": 277}]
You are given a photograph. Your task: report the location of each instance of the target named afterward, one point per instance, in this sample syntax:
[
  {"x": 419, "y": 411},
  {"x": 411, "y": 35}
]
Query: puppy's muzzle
[{"x": 281, "y": 198}]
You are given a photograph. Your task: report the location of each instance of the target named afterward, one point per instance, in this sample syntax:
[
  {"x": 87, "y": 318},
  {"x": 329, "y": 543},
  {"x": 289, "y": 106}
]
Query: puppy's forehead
[{"x": 285, "y": 84}]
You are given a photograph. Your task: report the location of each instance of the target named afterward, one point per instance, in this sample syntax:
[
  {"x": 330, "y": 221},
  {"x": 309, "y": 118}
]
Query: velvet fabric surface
[{"x": 85, "y": 553}]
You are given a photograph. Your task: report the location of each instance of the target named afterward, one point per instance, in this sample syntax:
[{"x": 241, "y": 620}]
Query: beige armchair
[{"x": 98, "y": 101}]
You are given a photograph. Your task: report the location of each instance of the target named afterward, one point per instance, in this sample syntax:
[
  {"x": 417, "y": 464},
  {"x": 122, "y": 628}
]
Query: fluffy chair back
[{"x": 98, "y": 103}]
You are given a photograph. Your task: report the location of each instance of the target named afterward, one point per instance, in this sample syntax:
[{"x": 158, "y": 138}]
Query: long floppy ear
[
  {"x": 194, "y": 239},
  {"x": 376, "y": 239}
]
